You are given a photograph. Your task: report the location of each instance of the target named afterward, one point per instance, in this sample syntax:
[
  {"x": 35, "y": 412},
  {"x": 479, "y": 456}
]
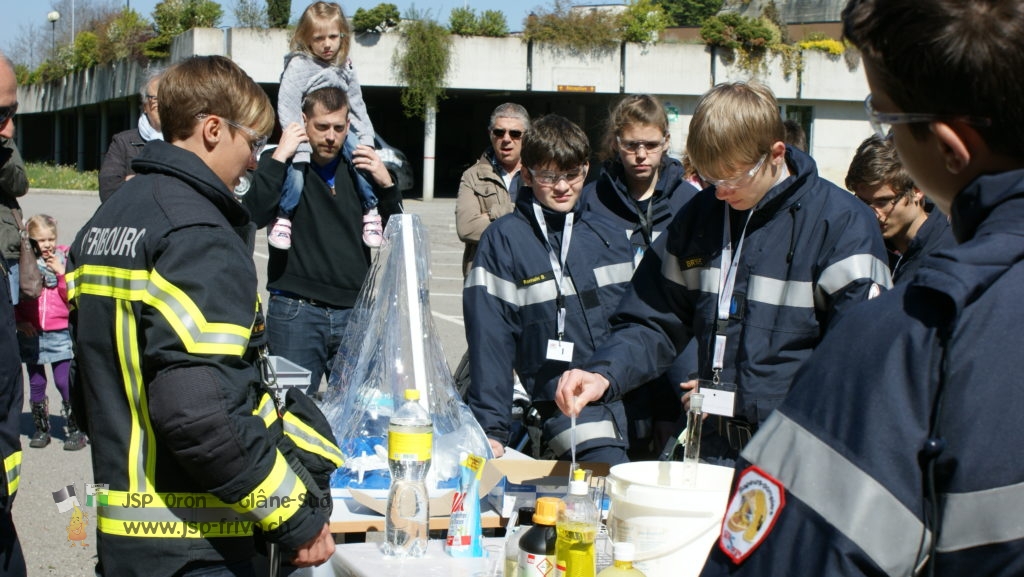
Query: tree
[
  {"x": 492, "y": 23},
  {"x": 462, "y": 21},
  {"x": 172, "y": 17},
  {"x": 123, "y": 36},
  {"x": 380, "y": 18},
  {"x": 250, "y": 14},
  {"x": 690, "y": 12},
  {"x": 580, "y": 30},
  {"x": 278, "y": 13},
  {"x": 643, "y": 21},
  {"x": 421, "y": 62}
]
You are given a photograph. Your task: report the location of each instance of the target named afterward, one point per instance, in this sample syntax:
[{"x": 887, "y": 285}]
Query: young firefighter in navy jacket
[
  {"x": 756, "y": 267},
  {"x": 544, "y": 282},
  {"x": 909, "y": 455}
]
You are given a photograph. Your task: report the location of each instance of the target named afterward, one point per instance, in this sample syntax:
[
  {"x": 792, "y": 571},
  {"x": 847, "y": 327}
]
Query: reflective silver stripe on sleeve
[
  {"x": 613, "y": 274},
  {"x": 562, "y": 442},
  {"x": 698, "y": 278},
  {"x": 859, "y": 266},
  {"x": 852, "y": 501},
  {"x": 540, "y": 292},
  {"x": 982, "y": 518},
  {"x": 789, "y": 293}
]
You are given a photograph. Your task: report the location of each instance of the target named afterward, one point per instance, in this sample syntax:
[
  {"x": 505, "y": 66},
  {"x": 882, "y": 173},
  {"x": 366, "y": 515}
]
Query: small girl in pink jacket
[{"x": 43, "y": 334}]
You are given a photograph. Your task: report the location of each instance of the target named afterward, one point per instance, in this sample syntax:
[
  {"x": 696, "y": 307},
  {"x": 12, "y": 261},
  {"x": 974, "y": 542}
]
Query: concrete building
[{"x": 71, "y": 121}]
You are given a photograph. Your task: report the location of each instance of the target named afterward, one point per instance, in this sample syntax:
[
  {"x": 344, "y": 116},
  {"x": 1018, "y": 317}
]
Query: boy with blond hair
[{"x": 756, "y": 267}]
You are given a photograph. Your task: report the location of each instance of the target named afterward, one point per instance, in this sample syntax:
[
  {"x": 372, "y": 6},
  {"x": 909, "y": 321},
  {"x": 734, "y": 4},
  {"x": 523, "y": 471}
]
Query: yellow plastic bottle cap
[
  {"x": 412, "y": 394},
  {"x": 546, "y": 512},
  {"x": 579, "y": 475}
]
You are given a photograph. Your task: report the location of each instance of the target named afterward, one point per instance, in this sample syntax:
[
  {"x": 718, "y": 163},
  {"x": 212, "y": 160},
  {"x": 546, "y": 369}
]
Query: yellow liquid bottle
[
  {"x": 623, "y": 566},
  {"x": 575, "y": 553}
]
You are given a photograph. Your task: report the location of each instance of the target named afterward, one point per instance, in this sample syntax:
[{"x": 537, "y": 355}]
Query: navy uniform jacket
[
  {"x": 850, "y": 456},
  {"x": 811, "y": 251},
  {"x": 509, "y": 303},
  {"x": 935, "y": 234}
]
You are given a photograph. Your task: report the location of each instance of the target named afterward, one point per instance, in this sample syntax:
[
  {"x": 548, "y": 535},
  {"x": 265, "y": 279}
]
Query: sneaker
[
  {"x": 373, "y": 229},
  {"x": 39, "y": 440},
  {"x": 76, "y": 441},
  {"x": 279, "y": 235}
]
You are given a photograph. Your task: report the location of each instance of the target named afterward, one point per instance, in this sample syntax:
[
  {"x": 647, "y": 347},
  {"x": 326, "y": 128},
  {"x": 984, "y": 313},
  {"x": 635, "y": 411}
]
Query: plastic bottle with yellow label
[{"x": 410, "y": 441}]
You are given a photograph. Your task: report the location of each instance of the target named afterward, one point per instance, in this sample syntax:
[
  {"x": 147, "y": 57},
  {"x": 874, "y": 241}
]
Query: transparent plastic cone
[{"x": 390, "y": 345}]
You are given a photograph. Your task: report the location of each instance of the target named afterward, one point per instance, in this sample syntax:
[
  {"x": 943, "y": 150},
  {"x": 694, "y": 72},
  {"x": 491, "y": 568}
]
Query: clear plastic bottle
[
  {"x": 410, "y": 441},
  {"x": 537, "y": 545},
  {"x": 575, "y": 554},
  {"x": 691, "y": 450},
  {"x": 624, "y": 554},
  {"x": 525, "y": 517}
]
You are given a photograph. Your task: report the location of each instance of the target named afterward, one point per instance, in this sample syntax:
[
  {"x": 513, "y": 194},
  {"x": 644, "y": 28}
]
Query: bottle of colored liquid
[
  {"x": 575, "y": 554},
  {"x": 624, "y": 554},
  {"x": 537, "y": 545},
  {"x": 410, "y": 440},
  {"x": 512, "y": 543}
]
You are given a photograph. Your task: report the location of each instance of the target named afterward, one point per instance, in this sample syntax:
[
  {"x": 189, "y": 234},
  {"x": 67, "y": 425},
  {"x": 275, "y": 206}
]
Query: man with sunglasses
[
  {"x": 13, "y": 181},
  {"x": 12, "y": 174},
  {"x": 487, "y": 190},
  {"x": 912, "y": 229},
  {"x": 757, "y": 267},
  {"x": 164, "y": 295},
  {"x": 896, "y": 452}
]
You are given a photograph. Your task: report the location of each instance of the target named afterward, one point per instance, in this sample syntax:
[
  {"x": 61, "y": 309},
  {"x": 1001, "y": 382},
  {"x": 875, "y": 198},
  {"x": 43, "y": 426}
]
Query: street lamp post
[{"x": 53, "y": 17}]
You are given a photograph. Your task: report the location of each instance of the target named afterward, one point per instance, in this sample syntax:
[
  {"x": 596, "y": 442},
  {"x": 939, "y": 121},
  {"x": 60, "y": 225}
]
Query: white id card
[
  {"x": 719, "y": 399},
  {"x": 559, "y": 350}
]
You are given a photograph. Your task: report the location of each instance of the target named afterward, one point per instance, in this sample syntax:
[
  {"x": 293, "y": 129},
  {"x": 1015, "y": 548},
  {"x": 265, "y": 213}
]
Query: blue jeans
[
  {"x": 13, "y": 266},
  {"x": 295, "y": 179},
  {"x": 305, "y": 334}
]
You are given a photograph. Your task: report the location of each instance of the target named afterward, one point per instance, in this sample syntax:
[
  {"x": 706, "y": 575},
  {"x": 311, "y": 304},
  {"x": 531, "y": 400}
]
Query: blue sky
[{"x": 19, "y": 15}]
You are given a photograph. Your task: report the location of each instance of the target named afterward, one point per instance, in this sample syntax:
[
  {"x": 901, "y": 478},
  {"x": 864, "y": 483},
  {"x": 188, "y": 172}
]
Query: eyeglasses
[
  {"x": 883, "y": 205},
  {"x": 257, "y": 143},
  {"x": 552, "y": 178},
  {"x": 513, "y": 134},
  {"x": 151, "y": 98},
  {"x": 650, "y": 146},
  {"x": 881, "y": 122},
  {"x": 740, "y": 181},
  {"x": 7, "y": 112}
]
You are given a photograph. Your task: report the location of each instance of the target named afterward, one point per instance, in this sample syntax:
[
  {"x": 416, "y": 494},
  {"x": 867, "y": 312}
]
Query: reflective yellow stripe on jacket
[
  {"x": 304, "y": 436},
  {"x": 186, "y": 319},
  {"x": 12, "y": 472}
]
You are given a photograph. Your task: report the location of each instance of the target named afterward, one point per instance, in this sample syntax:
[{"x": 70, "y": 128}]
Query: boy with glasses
[
  {"x": 906, "y": 463},
  {"x": 911, "y": 228},
  {"x": 537, "y": 301},
  {"x": 756, "y": 267}
]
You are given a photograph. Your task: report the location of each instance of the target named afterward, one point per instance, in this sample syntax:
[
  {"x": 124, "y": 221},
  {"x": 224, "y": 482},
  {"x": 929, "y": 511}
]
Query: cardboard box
[
  {"x": 506, "y": 484},
  {"x": 514, "y": 483}
]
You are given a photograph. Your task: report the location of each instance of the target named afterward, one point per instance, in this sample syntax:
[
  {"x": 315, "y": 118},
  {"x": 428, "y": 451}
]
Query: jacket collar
[{"x": 163, "y": 158}]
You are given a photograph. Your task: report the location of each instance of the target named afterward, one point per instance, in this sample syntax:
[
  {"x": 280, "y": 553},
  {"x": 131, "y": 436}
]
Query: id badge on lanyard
[
  {"x": 719, "y": 396},
  {"x": 558, "y": 349}
]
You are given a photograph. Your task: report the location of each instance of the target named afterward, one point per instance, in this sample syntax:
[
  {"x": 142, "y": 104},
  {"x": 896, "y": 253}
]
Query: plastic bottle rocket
[
  {"x": 410, "y": 441},
  {"x": 575, "y": 553},
  {"x": 624, "y": 554},
  {"x": 537, "y": 545}
]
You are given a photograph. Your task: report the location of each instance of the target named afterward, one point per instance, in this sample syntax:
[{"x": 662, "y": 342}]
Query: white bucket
[{"x": 672, "y": 528}]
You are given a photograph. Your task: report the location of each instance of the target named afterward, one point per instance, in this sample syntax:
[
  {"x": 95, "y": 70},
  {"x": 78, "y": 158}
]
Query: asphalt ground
[{"x": 41, "y": 526}]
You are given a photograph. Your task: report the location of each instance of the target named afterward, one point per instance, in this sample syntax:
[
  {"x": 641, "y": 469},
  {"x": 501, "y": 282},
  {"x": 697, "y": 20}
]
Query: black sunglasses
[
  {"x": 6, "y": 112},
  {"x": 513, "y": 134}
]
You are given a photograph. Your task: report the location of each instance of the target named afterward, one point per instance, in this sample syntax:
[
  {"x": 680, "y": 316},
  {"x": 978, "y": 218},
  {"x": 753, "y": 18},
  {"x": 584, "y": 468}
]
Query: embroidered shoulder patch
[{"x": 751, "y": 514}]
